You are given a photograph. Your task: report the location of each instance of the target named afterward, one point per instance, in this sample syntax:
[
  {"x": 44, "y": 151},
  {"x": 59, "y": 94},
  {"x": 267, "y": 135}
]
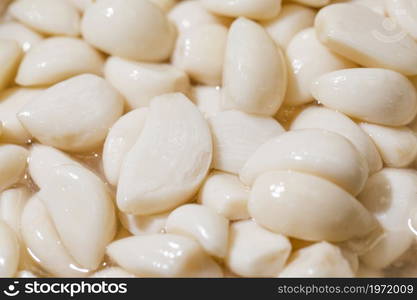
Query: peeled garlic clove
[
  {"x": 140, "y": 82},
  {"x": 78, "y": 201},
  {"x": 42, "y": 162},
  {"x": 10, "y": 55},
  {"x": 56, "y": 59},
  {"x": 82, "y": 5},
  {"x": 252, "y": 60},
  {"x": 25, "y": 274},
  {"x": 202, "y": 224},
  {"x": 390, "y": 195},
  {"x": 12, "y": 164},
  {"x": 292, "y": 19},
  {"x": 52, "y": 17},
  {"x": 397, "y": 145},
  {"x": 192, "y": 14},
  {"x": 319, "y": 260},
  {"x": 259, "y": 10},
  {"x": 112, "y": 272},
  {"x": 313, "y": 3},
  {"x": 311, "y": 151},
  {"x": 12, "y": 202},
  {"x": 163, "y": 255},
  {"x": 132, "y": 29},
  {"x": 170, "y": 160},
  {"x": 327, "y": 119},
  {"x": 405, "y": 14},
  {"x": 226, "y": 195},
  {"x": 165, "y": 5},
  {"x": 9, "y": 251},
  {"x": 374, "y": 95},
  {"x": 44, "y": 243},
  {"x": 255, "y": 251},
  {"x": 23, "y": 35},
  {"x": 307, "y": 207},
  {"x": 207, "y": 99},
  {"x": 122, "y": 136},
  {"x": 143, "y": 225},
  {"x": 236, "y": 137},
  {"x": 200, "y": 52},
  {"x": 307, "y": 60},
  {"x": 73, "y": 115},
  {"x": 362, "y": 36},
  {"x": 11, "y": 102}
]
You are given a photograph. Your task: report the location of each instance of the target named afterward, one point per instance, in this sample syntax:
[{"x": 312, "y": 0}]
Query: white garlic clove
[
  {"x": 226, "y": 195},
  {"x": 327, "y": 119},
  {"x": 255, "y": 251},
  {"x": 237, "y": 135},
  {"x": 144, "y": 225},
  {"x": 319, "y": 260},
  {"x": 307, "y": 60},
  {"x": 366, "y": 38},
  {"x": 252, "y": 60},
  {"x": 73, "y": 115},
  {"x": 307, "y": 207},
  {"x": 165, "y": 5},
  {"x": 12, "y": 203},
  {"x": 397, "y": 145},
  {"x": 200, "y": 52},
  {"x": 12, "y": 164},
  {"x": 169, "y": 161},
  {"x": 112, "y": 272},
  {"x": 202, "y": 224},
  {"x": 259, "y": 9},
  {"x": 292, "y": 19},
  {"x": 163, "y": 255},
  {"x": 10, "y": 56},
  {"x": 374, "y": 95},
  {"x": 405, "y": 14},
  {"x": 23, "y": 35},
  {"x": 82, "y": 5},
  {"x": 207, "y": 99},
  {"x": 9, "y": 251},
  {"x": 122, "y": 136},
  {"x": 56, "y": 59},
  {"x": 52, "y": 17},
  {"x": 313, "y": 3},
  {"x": 140, "y": 82},
  {"x": 131, "y": 29},
  {"x": 311, "y": 151}
]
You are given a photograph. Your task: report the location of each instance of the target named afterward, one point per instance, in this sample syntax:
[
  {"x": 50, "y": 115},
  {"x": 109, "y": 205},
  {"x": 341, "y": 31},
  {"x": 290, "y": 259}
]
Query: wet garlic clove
[
  {"x": 397, "y": 145},
  {"x": 202, "y": 224},
  {"x": 255, "y": 251},
  {"x": 131, "y": 29},
  {"x": 307, "y": 207},
  {"x": 200, "y": 52},
  {"x": 226, "y": 195},
  {"x": 237, "y": 135},
  {"x": 82, "y": 5},
  {"x": 292, "y": 19},
  {"x": 252, "y": 60},
  {"x": 56, "y": 59},
  {"x": 259, "y": 9},
  {"x": 140, "y": 82},
  {"x": 112, "y": 272},
  {"x": 11, "y": 102},
  {"x": 163, "y": 255},
  {"x": 313, "y": 3},
  {"x": 169, "y": 161},
  {"x": 143, "y": 225},
  {"x": 374, "y": 95},
  {"x": 192, "y": 14},
  {"x": 25, "y": 274},
  {"x": 308, "y": 59},
  {"x": 122, "y": 136},
  {"x": 311, "y": 151},
  {"x": 73, "y": 115},
  {"x": 23, "y": 35},
  {"x": 165, "y": 5},
  {"x": 327, "y": 119},
  {"x": 405, "y": 14},
  {"x": 44, "y": 243},
  {"x": 10, "y": 56},
  {"x": 12, "y": 203},
  {"x": 363, "y": 36},
  {"x": 51, "y": 17},
  {"x": 12, "y": 164},
  {"x": 319, "y": 260},
  {"x": 9, "y": 251},
  {"x": 390, "y": 195},
  {"x": 207, "y": 99}
]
